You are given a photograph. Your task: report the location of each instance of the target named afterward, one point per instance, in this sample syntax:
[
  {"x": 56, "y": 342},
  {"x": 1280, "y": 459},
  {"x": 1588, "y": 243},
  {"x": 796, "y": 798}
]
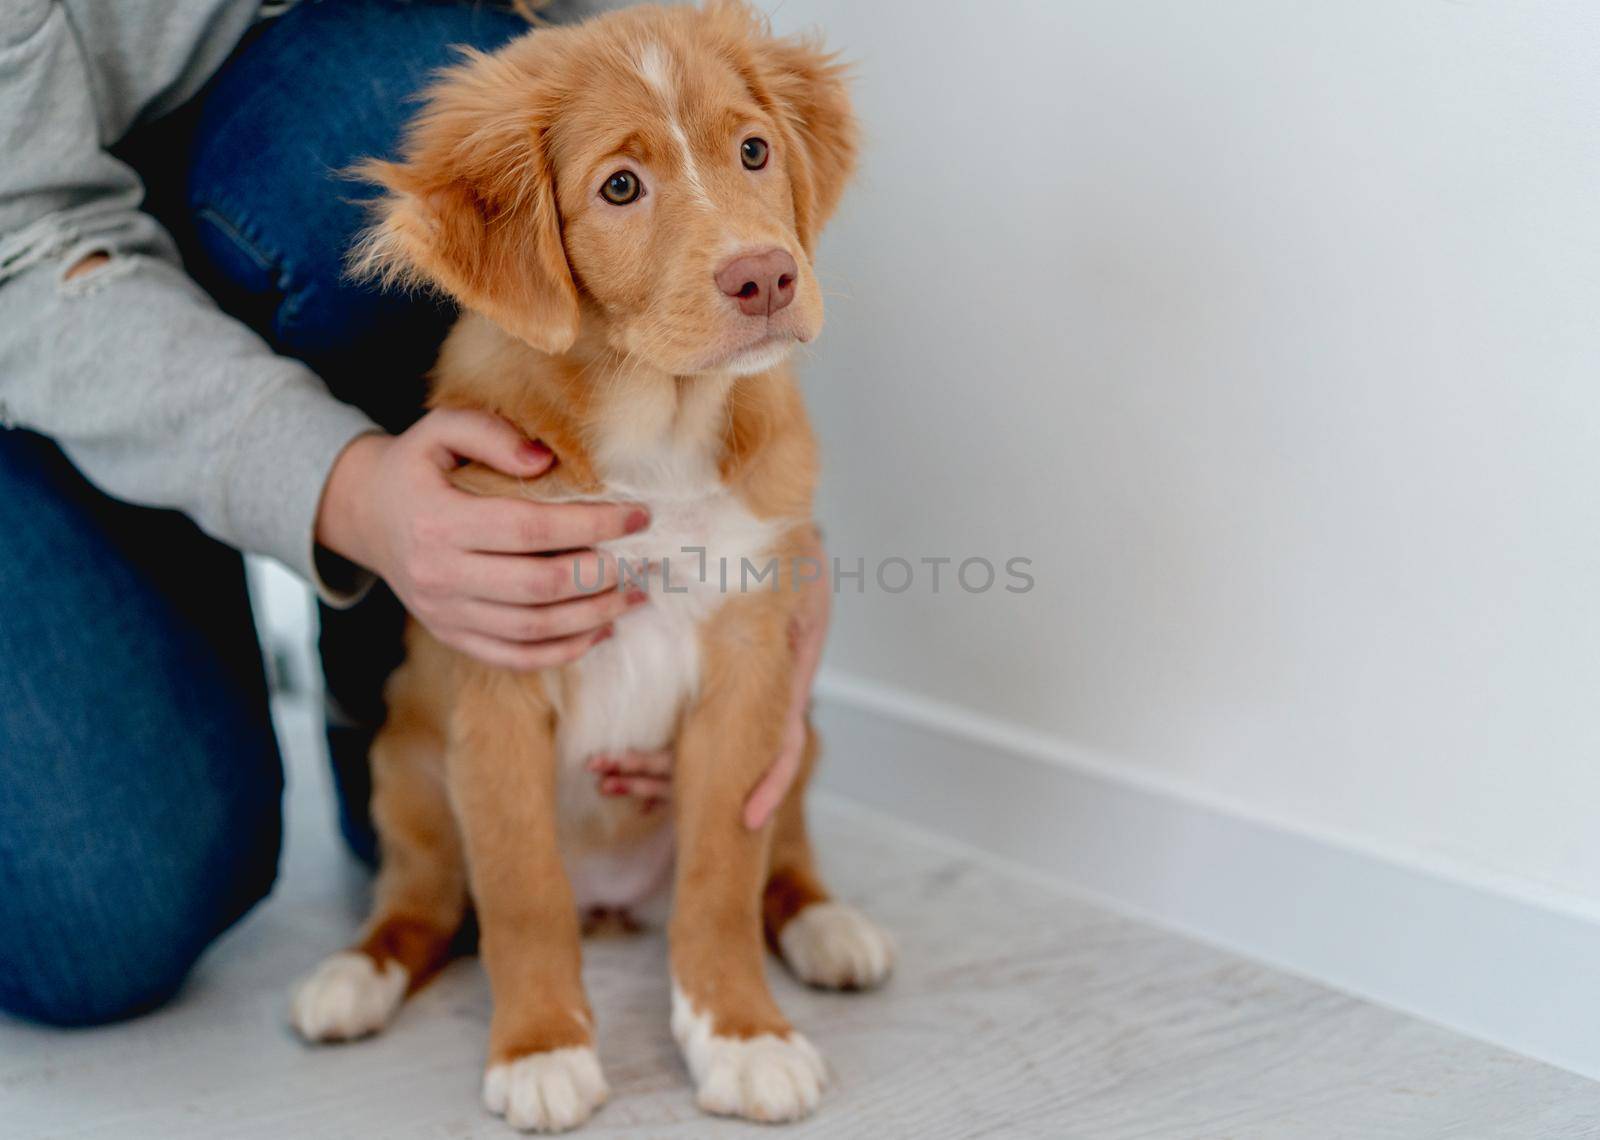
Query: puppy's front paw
[
  {"x": 767, "y": 1078},
  {"x": 763, "y": 1078},
  {"x": 546, "y": 1092},
  {"x": 837, "y": 947},
  {"x": 346, "y": 997}
]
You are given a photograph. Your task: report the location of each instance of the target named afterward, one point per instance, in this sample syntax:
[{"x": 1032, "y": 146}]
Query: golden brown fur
[{"x": 597, "y": 330}]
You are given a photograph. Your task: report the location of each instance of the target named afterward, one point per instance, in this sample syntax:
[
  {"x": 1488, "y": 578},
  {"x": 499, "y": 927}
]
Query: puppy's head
[{"x": 656, "y": 177}]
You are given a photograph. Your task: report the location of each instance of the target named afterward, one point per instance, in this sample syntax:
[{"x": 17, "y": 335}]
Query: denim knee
[
  {"x": 111, "y": 930},
  {"x": 139, "y": 774}
]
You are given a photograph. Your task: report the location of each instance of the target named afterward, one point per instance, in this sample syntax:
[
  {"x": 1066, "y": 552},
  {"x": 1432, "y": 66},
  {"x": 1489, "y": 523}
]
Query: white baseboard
[{"x": 1519, "y": 971}]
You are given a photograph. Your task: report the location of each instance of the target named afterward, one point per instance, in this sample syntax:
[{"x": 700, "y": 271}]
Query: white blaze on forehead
[{"x": 655, "y": 68}]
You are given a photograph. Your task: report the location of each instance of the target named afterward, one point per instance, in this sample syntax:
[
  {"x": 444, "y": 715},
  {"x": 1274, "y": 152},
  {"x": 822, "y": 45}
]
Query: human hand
[
  {"x": 647, "y": 776},
  {"x": 480, "y": 572}
]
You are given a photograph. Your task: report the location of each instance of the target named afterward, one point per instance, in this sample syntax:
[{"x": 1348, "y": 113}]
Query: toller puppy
[{"x": 626, "y": 211}]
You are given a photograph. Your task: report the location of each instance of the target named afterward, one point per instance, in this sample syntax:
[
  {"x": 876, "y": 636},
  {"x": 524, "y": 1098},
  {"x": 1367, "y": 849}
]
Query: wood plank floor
[{"x": 1017, "y": 1011}]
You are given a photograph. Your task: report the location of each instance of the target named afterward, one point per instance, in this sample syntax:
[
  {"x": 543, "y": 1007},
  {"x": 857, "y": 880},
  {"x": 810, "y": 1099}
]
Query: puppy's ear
[
  {"x": 806, "y": 89},
  {"x": 471, "y": 207}
]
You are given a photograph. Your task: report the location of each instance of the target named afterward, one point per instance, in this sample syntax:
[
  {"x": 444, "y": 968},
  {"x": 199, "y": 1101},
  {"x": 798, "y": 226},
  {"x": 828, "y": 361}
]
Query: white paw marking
[
  {"x": 833, "y": 945},
  {"x": 546, "y": 1092},
  {"x": 346, "y": 997},
  {"x": 765, "y": 1078}
]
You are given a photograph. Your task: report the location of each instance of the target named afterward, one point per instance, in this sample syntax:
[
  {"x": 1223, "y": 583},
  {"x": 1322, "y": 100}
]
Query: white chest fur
[
  {"x": 629, "y": 692},
  {"x": 630, "y": 689}
]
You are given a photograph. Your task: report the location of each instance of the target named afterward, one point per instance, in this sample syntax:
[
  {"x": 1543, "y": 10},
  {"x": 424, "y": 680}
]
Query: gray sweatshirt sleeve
[{"x": 157, "y": 396}]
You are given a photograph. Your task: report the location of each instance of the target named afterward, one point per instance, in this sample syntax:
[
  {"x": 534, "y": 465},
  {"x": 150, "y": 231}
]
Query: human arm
[
  {"x": 461, "y": 562},
  {"x": 155, "y": 395}
]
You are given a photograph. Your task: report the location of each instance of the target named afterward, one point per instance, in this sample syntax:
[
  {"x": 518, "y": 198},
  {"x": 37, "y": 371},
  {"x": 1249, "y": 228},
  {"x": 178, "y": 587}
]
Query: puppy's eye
[
  {"x": 753, "y": 153},
  {"x": 621, "y": 188}
]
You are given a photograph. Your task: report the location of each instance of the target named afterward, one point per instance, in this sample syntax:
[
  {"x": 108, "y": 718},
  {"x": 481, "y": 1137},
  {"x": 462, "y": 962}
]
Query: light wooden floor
[{"x": 1017, "y": 1011}]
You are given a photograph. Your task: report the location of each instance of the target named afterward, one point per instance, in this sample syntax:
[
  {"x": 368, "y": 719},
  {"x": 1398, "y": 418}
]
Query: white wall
[{"x": 1270, "y": 331}]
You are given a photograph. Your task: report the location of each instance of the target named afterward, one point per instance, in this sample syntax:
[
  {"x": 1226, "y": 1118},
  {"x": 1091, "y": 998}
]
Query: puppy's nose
[{"x": 762, "y": 283}]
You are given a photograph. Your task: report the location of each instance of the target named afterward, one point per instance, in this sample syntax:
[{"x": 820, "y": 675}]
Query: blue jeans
[{"x": 140, "y": 782}]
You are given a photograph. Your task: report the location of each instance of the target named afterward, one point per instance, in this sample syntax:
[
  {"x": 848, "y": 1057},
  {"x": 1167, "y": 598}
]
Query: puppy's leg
[
  {"x": 744, "y": 1057},
  {"x": 543, "y": 1073},
  {"x": 420, "y": 895},
  {"x": 825, "y": 943}
]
